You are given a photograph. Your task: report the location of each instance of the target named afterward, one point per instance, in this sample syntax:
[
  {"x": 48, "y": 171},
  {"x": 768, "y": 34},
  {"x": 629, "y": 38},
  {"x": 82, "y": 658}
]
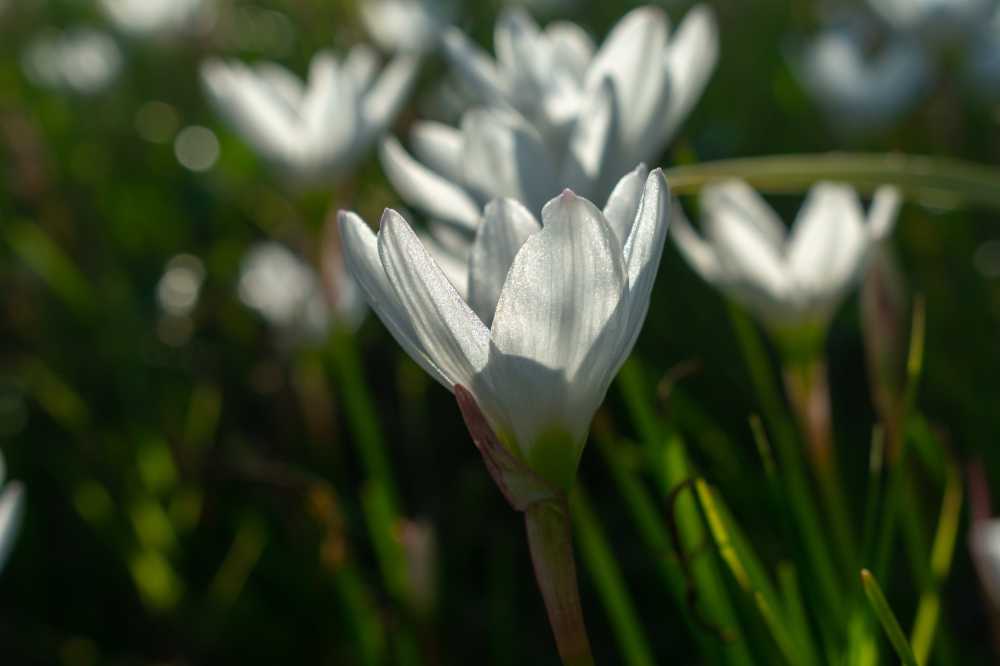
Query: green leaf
[{"x": 888, "y": 619}]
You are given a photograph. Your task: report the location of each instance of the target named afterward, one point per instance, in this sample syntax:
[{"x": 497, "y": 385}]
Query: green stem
[
  {"x": 934, "y": 180},
  {"x": 808, "y": 392},
  {"x": 551, "y": 543}
]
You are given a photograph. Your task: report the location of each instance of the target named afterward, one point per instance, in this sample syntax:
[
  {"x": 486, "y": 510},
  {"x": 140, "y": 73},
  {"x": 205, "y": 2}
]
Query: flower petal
[
  {"x": 361, "y": 65},
  {"x": 562, "y": 293},
  {"x": 699, "y": 254},
  {"x": 452, "y": 258},
  {"x": 439, "y": 146},
  {"x": 421, "y": 187},
  {"x": 735, "y": 199},
  {"x": 505, "y": 157},
  {"x": 259, "y": 117},
  {"x": 506, "y": 225},
  {"x": 690, "y": 61},
  {"x": 623, "y": 204},
  {"x": 388, "y": 94},
  {"x": 643, "y": 251},
  {"x": 882, "y": 214},
  {"x": 11, "y": 509},
  {"x": 454, "y": 337},
  {"x": 828, "y": 241},
  {"x": 329, "y": 110},
  {"x": 360, "y": 251},
  {"x": 475, "y": 67},
  {"x": 743, "y": 230},
  {"x": 591, "y": 141},
  {"x": 636, "y": 41},
  {"x": 572, "y": 48}
]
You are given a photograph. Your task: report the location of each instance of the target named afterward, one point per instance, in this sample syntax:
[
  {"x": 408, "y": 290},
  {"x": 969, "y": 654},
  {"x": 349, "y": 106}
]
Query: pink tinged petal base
[{"x": 519, "y": 484}]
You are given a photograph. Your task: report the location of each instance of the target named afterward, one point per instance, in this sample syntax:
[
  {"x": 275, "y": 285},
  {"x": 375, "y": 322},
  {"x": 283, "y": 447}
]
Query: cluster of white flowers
[{"x": 868, "y": 68}]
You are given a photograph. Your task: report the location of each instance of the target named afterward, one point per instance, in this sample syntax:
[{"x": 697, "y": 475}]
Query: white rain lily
[
  {"x": 858, "y": 91},
  {"x": 935, "y": 20},
  {"x": 79, "y": 60},
  {"x": 143, "y": 18},
  {"x": 790, "y": 280},
  {"x": 315, "y": 130},
  {"x": 405, "y": 25},
  {"x": 11, "y": 507},
  {"x": 643, "y": 79},
  {"x": 287, "y": 292},
  {"x": 985, "y": 543},
  {"x": 553, "y": 311}
]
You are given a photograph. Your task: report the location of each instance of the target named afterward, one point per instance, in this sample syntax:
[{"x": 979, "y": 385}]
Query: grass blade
[{"x": 888, "y": 619}]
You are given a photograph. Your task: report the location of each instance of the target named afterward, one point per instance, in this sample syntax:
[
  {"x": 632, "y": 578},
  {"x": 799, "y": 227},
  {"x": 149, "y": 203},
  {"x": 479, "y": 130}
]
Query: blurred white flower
[
  {"x": 405, "y": 25},
  {"x": 145, "y": 18},
  {"x": 790, "y": 280},
  {"x": 861, "y": 91},
  {"x": 315, "y": 131},
  {"x": 553, "y": 311},
  {"x": 287, "y": 292},
  {"x": 982, "y": 63},
  {"x": 936, "y": 21},
  {"x": 11, "y": 507},
  {"x": 79, "y": 60},
  {"x": 642, "y": 80}
]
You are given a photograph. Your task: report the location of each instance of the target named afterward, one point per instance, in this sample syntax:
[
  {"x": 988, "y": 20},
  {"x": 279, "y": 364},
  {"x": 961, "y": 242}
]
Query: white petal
[
  {"x": 590, "y": 142},
  {"x": 643, "y": 251},
  {"x": 736, "y": 199},
  {"x": 11, "y": 509},
  {"x": 439, "y": 146},
  {"x": 387, "y": 96},
  {"x": 828, "y": 241},
  {"x": 636, "y": 42},
  {"x": 361, "y": 65},
  {"x": 282, "y": 83},
  {"x": 454, "y": 337},
  {"x": 360, "y": 249},
  {"x": 747, "y": 252},
  {"x": 505, "y": 157},
  {"x": 262, "y": 120},
  {"x": 571, "y": 46},
  {"x": 623, "y": 204},
  {"x": 699, "y": 254},
  {"x": 506, "y": 225},
  {"x": 450, "y": 257},
  {"x": 882, "y": 214},
  {"x": 423, "y": 188},
  {"x": 558, "y": 323},
  {"x": 515, "y": 42},
  {"x": 475, "y": 67},
  {"x": 329, "y": 110},
  {"x": 691, "y": 59}
]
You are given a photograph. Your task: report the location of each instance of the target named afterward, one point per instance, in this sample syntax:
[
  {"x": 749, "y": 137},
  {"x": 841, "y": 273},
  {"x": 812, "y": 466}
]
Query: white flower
[
  {"x": 317, "y": 130},
  {"x": 789, "y": 280},
  {"x": 859, "y": 91},
  {"x": 646, "y": 81},
  {"x": 79, "y": 60},
  {"x": 156, "y": 17},
  {"x": 288, "y": 293},
  {"x": 405, "y": 25},
  {"x": 553, "y": 310},
  {"x": 935, "y": 20},
  {"x": 11, "y": 507}
]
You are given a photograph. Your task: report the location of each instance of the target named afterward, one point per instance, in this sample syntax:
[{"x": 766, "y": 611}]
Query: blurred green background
[{"x": 195, "y": 495}]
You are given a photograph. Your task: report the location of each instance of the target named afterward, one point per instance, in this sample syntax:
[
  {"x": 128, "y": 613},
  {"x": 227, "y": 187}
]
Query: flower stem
[
  {"x": 809, "y": 394},
  {"x": 551, "y": 544}
]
